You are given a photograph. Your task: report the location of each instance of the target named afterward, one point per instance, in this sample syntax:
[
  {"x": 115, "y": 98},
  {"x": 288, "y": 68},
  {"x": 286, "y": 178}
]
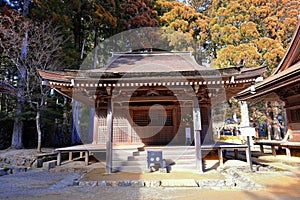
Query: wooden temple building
[
  {"x": 282, "y": 85},
  {"x": 150, "y": 98}
]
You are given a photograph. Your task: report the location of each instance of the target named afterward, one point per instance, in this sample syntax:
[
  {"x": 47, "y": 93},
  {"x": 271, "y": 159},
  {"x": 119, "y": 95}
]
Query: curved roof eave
[{"x": 292, "y": 54}]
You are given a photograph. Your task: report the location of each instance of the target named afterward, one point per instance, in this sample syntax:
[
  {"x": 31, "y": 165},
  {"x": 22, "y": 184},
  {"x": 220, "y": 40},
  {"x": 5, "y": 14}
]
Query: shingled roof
[
  {"x": 153, "y": 68},
  {"x": 153, "y": 64}
]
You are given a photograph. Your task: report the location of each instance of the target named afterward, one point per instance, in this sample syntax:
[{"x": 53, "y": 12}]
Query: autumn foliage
[{"x": 248, "y": 33}]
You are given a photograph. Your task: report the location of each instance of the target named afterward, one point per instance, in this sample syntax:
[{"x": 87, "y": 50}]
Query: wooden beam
[
  {"x": 152, "y": 107},
  {"x": 148, "y": 99},
  {"x": 109, "y": 136}
]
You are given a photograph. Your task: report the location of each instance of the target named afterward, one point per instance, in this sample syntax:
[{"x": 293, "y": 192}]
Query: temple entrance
[{"x": 155, "y": 125}]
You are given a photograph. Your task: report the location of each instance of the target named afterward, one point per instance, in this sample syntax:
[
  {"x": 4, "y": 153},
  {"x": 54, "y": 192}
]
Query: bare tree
[{"x": 43, "y": 52}]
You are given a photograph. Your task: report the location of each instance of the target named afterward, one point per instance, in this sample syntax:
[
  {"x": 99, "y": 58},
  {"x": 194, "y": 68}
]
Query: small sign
[
  {"x": 247, "y": 131},
  {"x": 187, "y": 132}
]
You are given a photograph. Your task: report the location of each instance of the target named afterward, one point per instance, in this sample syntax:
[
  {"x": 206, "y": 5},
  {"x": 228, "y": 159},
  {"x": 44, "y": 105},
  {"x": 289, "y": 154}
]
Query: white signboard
[{"x": 247, "y": 131}]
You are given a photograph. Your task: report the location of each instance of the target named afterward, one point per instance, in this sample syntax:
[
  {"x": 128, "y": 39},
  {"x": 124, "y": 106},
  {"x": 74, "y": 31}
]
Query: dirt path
[
  {"x": 37, "y": 184},
  {"x": 40, "y": 184},
  {"x": 30, "y": 188}
]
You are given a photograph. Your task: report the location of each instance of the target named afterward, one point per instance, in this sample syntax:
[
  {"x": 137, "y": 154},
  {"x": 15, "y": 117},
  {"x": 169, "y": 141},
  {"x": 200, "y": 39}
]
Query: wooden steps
[{"x": 177, "y": 157}]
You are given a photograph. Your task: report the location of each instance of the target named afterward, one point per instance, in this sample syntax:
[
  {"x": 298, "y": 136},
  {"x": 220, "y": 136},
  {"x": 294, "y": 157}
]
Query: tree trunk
[
  {"x": 18, "y": 125},
  {"x": 17, "y": 134},
  {"x": 39, "y": 132}
]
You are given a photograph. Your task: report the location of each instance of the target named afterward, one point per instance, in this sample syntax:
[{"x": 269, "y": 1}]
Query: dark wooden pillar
[
  {"x": 197, "y": 134},
  {"x": 109, "y": 136}
]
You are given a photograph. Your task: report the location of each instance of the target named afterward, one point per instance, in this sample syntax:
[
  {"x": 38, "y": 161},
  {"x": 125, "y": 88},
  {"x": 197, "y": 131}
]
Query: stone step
[
  {"x": 174, "y": 157},
  {"x": 130, "y": 163},
  {"x": 49, "y": 164},
  {"x": 179, "y": 149},
  {"x": 144, "y": 167},
  {"x": 130, "y": 168},
  {"x": 182, "y": 167},
  {"x": 177, "y": 158},
  {"x": 145, "y": 163},
  {"x": 139, "y": 153},
  {"x": 172, "y": 153},
  {"x": 179, "y": 164},
  {"x": 122, "y": 155},
  {"x": 169, "y": 147}
]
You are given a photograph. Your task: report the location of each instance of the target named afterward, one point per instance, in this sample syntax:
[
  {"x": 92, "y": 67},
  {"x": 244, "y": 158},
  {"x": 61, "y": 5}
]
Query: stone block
[
  {"x": 39, "y": 162},
  {"x": 49, "y": 164},
  {"x": 102, "y": 183},
  {"x": 137, "y": 183},
  {"x": 112, "y": 183},
  {"x": 3, "y": 172},
  {"x": 88, "y": 183},
  {"x": 75, "y": 182},
  {"x": 179, "y": 183},
  {"x": 124, "y": 183},
  {"x": 16, "y": 170},
  {"x": 152, "y": 183},
  {"x": 230, "y": 182}
]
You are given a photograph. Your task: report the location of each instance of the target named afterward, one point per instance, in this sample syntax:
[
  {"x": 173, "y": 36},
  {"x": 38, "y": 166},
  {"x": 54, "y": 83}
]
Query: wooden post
[
  {"x": 96, "y": 133},
  {"x": 269, "y": 114},
  {"x": 273, "y": 150},
  {"x": 58, "y": 158},
  {"x": 220, "y": 154},
  {"x": 86, "y": 159},
  {"x": 197, "y": 135},
  {"x": 288, "y": 152},
  {"x": 109, "y": 136},
  {"x": 198, "y": 151},
  {"x": 261, "y": 149},
  {"x": 236, "y": 153},
  {"x": 70, "y": 156},
  {"x": 248, "y": 154}
]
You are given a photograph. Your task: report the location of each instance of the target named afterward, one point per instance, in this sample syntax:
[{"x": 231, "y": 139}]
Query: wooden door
[{"x": 154, "y": 130}]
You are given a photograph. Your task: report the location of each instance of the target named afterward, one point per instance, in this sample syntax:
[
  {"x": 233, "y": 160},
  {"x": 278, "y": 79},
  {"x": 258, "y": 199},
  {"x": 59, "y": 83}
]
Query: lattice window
[
  {"x": 102, "y": 127},
  {"x": 134, "y": 136},
  {"x": 102, "y": 132}
]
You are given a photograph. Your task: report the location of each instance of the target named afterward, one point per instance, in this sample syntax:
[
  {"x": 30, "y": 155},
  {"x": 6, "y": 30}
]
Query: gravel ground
[
  {"x": 41, "y": 184},
  {"x": 37, "y": 184}
]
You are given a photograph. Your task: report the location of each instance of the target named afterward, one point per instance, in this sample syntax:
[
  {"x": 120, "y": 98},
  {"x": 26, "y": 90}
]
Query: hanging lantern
[{"x": 52, "y": 92}]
